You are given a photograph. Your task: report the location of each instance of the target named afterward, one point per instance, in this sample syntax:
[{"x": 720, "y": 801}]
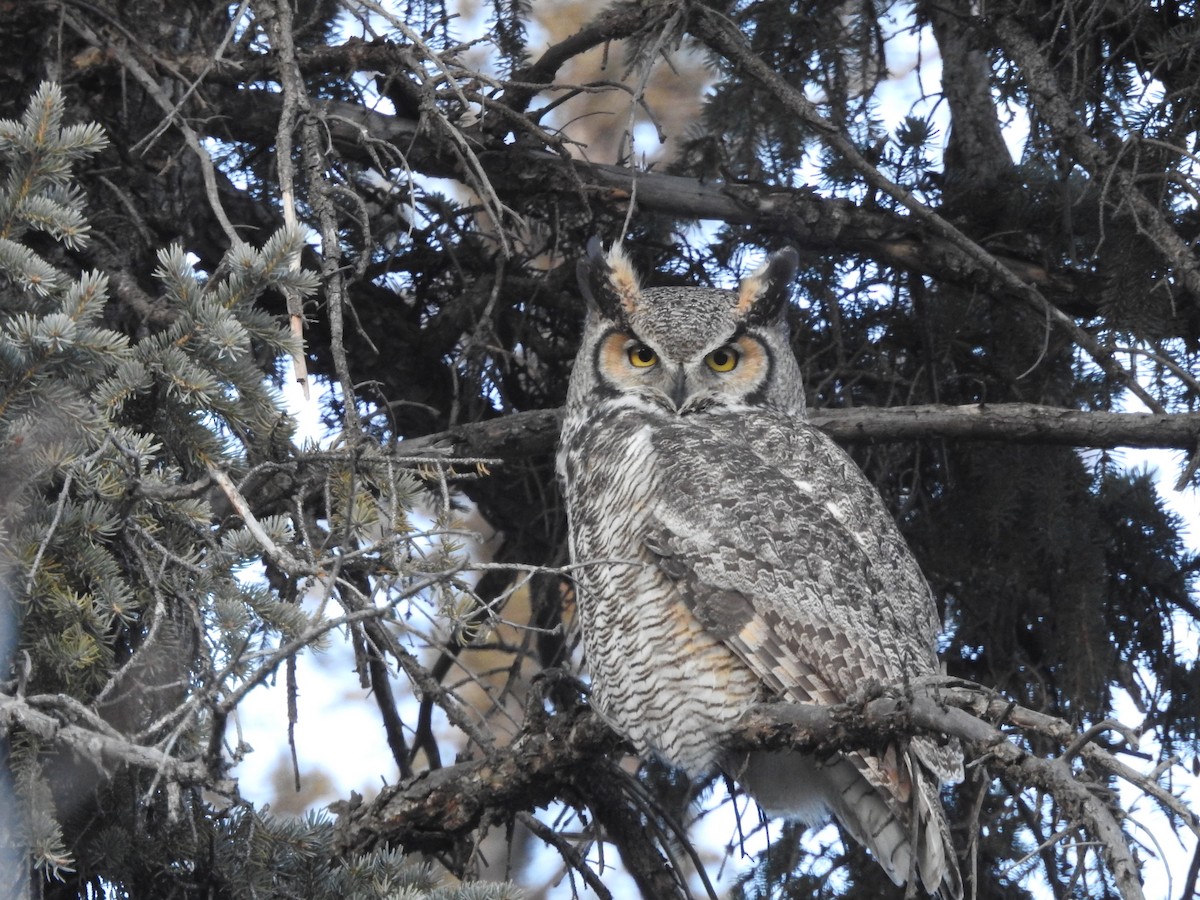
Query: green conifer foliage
[{"x": 123, "y": 565}]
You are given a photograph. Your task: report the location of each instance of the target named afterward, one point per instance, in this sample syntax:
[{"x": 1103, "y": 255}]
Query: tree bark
[{"x": 534, "y": 432}]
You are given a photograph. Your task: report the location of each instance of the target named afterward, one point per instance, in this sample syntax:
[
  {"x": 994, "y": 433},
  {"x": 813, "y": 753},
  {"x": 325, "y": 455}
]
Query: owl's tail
[{"x": 794, "y": 785}]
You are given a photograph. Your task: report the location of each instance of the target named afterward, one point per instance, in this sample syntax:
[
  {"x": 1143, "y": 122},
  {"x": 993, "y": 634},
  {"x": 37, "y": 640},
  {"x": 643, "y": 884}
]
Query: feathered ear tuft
[
  {"x": 608, "y": 281},
  {"x": 762, "y": 296}
]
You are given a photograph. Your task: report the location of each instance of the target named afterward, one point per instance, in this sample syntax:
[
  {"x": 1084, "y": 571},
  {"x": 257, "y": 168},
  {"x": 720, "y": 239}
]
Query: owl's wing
[
  {"x": 785, "y": 553},
  {"x": 791, "y": 559}
]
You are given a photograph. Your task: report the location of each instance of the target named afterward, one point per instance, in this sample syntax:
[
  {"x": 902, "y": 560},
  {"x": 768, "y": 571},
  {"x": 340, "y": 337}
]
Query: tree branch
[
  {"x": 812, "y": 222},
  {"x": 1060, "y": 113},
  {"x": 442, "y": 806},
  {"x": 438, "y": 808},
  {"x": 105, "y": 749},
  {"x": 721, "y": 36},
  {"x": 965, "y": 711},
  {"x": 617, "y": 22},
  {"x": 525, "y": 433}
]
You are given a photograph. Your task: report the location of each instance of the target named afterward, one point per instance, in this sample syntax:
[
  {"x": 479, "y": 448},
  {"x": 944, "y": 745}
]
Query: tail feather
[{"x": 794, "y": 785}]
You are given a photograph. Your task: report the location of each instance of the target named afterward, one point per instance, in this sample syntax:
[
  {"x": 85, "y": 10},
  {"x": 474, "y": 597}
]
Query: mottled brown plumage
[{"x": 728, "y": 552}]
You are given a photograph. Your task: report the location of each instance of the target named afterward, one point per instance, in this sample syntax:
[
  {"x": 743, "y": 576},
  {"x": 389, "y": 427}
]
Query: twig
[
  {"x": 1090, "y": 735},
  {"x": 272, "y": 660},
  {"x": 566, "y": 851},
  {"x": 273, "y": 551},
  {"x": 63, "y": 494},
  {"x": 277, "y": 16},
  {"x": 279, "y": 27},
  {"x": 148, "y": 141},
  {"x": 497, "y": 211}
]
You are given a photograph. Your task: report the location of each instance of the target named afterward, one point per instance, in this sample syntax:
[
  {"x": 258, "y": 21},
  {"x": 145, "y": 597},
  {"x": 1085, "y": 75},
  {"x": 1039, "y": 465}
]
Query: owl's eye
[
  {"x": 723, "y": 359},
  {"x": 641, "y": 356}
]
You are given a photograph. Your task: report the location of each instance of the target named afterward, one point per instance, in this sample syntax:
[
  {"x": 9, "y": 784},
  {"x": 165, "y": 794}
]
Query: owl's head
[{"x": 686, "y": 350}]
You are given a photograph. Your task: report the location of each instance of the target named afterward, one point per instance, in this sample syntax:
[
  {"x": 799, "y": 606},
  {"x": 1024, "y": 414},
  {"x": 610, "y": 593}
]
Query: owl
[{"x": 727, "y": 553}]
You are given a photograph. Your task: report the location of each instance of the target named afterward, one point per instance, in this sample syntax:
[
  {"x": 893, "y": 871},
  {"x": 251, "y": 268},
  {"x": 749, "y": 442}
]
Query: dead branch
[
  {"x": 105, "y": 748},
  {"x": 441, "y": 806},
  {"x": 527, "y": 433},
  {"x": 812, "y": 222},
  {"x": 438, "y": 808}
]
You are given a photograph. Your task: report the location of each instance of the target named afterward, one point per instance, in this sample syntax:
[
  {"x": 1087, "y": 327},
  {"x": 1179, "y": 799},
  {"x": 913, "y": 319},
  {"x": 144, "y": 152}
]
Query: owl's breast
[{"x": 657, "y": 674}]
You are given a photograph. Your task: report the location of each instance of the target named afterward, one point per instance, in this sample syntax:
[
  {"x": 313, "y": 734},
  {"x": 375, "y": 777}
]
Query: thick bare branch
[
  {"x": 444, "y": 805},
  {"x": 438, "y": 808},
  {"x": 536, "y": 431},
  {"x": 1025, "y": 423}
]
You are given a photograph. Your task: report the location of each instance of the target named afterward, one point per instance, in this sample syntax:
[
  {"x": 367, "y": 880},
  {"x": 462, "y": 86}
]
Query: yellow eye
[
  {"x": 723, "y": 359},
  {"x": 641, "y": 356}
]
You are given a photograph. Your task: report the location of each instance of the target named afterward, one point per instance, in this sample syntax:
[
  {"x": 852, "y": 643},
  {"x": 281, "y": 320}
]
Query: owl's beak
[{"x": 679, "y": 390}]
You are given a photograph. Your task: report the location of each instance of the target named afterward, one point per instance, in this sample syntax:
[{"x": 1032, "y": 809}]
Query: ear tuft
[
  {"x": 608, "y": 281},
  {"x": 762, "y": 296}
]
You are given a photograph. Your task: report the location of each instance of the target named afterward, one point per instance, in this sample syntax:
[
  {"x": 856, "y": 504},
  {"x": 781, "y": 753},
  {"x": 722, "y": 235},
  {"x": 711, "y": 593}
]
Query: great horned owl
[{"x": 727, "y": 552}]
